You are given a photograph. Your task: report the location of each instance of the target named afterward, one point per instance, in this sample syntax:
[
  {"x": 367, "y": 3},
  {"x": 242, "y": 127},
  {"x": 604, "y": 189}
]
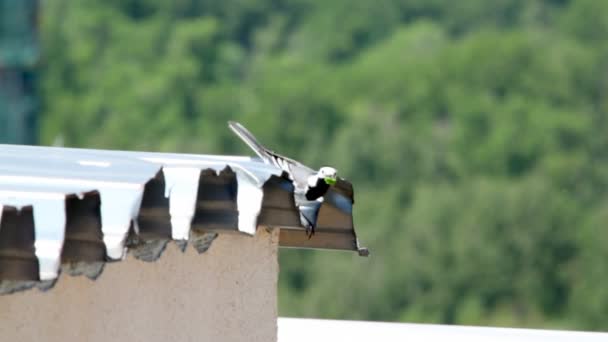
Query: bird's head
[{"x": 328, "y": 174}]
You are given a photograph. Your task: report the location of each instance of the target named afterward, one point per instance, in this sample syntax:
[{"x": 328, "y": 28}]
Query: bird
[{"x": 309, "y": 186}]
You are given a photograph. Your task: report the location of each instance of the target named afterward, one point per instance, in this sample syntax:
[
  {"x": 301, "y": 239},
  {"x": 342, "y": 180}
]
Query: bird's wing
[
  {"x": 298, "y": 171},
  {"x": 249, "y": 139}
]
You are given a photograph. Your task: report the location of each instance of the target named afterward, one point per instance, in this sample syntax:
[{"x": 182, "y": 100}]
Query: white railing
[{"x": 318, "y": 330}]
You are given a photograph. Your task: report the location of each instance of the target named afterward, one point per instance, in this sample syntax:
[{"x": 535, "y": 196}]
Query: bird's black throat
[{"x": 318, "y": 190}]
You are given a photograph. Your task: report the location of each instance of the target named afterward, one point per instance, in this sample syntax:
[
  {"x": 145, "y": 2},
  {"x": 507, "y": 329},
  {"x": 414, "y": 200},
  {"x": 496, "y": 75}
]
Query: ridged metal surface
[{"x": 75, "y": 209}]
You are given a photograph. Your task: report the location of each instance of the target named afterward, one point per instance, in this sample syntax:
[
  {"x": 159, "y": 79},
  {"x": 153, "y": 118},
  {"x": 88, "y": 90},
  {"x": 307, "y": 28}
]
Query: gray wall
[{"x": 226, "y": 294}]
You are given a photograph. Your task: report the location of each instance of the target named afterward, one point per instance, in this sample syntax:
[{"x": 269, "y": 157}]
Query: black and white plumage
[{"x": 310, "y": 186}]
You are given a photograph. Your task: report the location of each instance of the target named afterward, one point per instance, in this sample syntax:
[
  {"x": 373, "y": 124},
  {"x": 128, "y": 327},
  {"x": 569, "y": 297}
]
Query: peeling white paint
[
  {"x": 44, "y": 176},
  {"x": 181, "y": 186},
  {"x": 249, "y": 189},
  {"x": 119, "y": 207},
  {"x": 120, "y": 202},
  {"x": 49, "y": 225},
  {"x": 248, "y": 201},
  {"x": 49, "y": 228}
]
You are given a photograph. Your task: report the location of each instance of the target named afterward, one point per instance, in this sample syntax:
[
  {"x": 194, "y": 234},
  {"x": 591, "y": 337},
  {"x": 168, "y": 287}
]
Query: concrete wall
[{"x": 225, "y": 294}]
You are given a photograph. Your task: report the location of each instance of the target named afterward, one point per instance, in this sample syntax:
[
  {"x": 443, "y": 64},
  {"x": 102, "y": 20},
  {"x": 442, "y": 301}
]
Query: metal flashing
[{"x": 75, "y": 209}]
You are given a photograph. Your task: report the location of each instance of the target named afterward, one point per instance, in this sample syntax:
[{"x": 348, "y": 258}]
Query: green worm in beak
[{"x": 330, "y": 180}]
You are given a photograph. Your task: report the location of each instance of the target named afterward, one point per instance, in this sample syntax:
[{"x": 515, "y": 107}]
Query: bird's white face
[{"x": 329, "y": 174}]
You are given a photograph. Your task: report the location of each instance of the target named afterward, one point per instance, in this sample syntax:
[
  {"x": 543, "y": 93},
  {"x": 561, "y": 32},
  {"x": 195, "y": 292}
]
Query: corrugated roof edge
[{"x": 143, "y": 200}]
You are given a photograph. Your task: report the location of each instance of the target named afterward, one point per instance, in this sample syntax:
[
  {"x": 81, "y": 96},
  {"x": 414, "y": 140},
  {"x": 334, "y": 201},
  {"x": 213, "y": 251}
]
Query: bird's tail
[{"x": 249, "y": 139}]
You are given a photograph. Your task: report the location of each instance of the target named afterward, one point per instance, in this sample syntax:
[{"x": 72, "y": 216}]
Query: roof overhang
[{"x": 78, "y": 208}]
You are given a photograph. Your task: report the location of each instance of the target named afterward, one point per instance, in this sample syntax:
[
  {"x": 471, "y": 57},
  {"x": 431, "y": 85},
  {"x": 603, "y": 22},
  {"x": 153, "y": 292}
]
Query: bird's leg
[
  {"x": 308, "y": 225},
  {"x": 310, "y": 231}
]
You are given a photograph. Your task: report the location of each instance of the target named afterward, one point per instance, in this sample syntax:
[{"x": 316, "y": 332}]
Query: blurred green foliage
[{"x": 475, "y": 133}]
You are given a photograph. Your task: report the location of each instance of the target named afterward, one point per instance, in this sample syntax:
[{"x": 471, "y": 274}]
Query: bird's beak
[{"x": 330, "y": 180}]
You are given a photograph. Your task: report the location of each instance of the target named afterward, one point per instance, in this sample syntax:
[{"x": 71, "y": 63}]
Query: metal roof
[{"x": 75, "y": 209}]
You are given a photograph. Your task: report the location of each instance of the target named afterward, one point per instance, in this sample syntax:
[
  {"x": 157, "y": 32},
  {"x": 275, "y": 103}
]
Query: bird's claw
[{"x": 310, "y": 231}]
